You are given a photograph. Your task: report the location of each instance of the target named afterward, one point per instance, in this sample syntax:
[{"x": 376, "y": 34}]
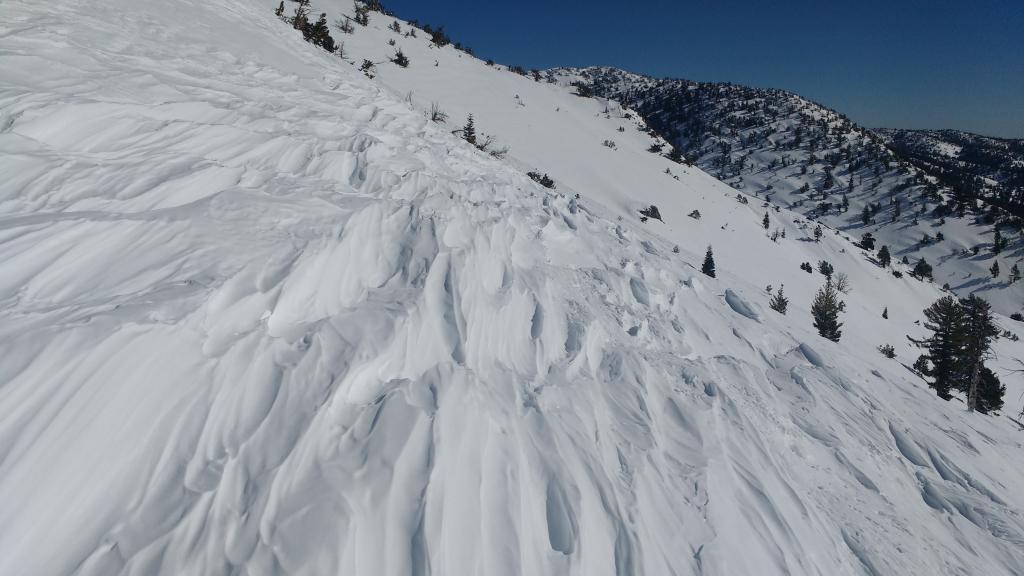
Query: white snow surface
[{"x": 260, "y": 316}]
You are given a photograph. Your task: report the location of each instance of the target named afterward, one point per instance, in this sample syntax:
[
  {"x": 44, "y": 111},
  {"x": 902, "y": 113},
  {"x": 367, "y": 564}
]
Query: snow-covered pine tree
[
  {"x": 766, "y": 222},
  {"x": 709, "y": 263}
]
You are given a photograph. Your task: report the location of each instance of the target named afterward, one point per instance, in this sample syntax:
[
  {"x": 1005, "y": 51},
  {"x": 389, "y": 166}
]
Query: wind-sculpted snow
[{"x": 258, "y": 316}]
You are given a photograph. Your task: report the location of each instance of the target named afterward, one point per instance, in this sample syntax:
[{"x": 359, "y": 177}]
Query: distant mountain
[
  {"x": 994, "y": 167},
  {"x": 937, "y": 195}
]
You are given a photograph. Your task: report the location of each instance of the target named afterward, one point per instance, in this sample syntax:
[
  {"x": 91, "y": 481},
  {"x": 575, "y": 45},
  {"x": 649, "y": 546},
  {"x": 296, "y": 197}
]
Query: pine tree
[
  {"x": 867, "y": 241},
  {"x": 922, "y": 270},
  {"x": 990, "y": 392},
  {"x": 825, "y": 309},
  {"x": 944, "y": 318},
  {"x": 885, "y": 313},
  {"x": 469, "y": 131},
  {"x": 709, "y": 263},
  {"x": 1014, "y": 274},
  {"x": 884, "y": 258},
  {"x": 978, "y": 332},
  {"x": 779, "y": 302},
  {"x": 766, "y": 223},
  {"x": 817, "y": 233},
  {"x": 998, "y": 243},
  {"x": 994, "y": 270}
]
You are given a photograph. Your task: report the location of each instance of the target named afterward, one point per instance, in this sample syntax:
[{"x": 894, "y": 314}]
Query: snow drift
[{"x": 260, "y": 316}]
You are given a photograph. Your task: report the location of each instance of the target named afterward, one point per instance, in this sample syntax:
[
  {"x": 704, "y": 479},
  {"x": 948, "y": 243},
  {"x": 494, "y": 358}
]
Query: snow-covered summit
[{"x": 260, "y": 315}]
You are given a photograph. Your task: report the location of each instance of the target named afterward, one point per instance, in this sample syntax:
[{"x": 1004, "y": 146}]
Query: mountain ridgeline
[{"x": 932, "y": 196}]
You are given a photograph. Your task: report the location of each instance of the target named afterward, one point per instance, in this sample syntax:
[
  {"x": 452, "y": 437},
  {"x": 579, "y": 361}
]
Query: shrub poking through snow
[
  {"x": 695, "y": 214},
  {"x": 887, "y": 350},
  {"x": 436, "y": 114},
  {"x": 400, "y": 58},
  {"x": 652, "y": 212},
  {"x": 542, "y": 179}
]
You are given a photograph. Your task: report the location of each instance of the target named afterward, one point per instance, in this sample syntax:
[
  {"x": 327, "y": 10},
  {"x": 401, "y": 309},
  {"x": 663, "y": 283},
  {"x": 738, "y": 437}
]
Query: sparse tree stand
[
  {"x": 978, "y": 333},
  {"x": 826, "y": 309},
  {"x": 709, "y": 263}
]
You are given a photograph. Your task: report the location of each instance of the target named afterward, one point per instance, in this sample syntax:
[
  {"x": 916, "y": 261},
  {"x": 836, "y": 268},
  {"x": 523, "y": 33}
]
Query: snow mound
[{"x": 260, "y": 316}]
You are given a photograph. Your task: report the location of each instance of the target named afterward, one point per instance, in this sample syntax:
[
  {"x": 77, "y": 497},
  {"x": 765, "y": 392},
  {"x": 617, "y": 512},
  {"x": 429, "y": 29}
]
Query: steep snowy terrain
[
  {"x": 260, "y": 315},
  {"x": 803, "y": 156}
]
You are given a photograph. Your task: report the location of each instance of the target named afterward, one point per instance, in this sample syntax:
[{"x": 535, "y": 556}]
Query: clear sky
[{"x": 904, "y": 64}]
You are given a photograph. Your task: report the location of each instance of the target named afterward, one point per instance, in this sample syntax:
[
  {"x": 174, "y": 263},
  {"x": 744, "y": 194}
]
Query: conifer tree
[
  {"x": 817, "y": 233},
  {"x": 998, "y": 243},
  {"x": 978, "y": 332},
  {"x": 990, "y": 392},
  {"x": 779, "y": 302},
  {"x": 469, "y": 131},
  {"x": 885, "y": 313},
  {"x": 826, "y": 309},
  {"x": 280, "y": 10},
  {"x": 766, "y": 222},
  {"x": 709, "y": 263},
  {"x": 1014, "y": 274},
  {"x": 994, "y": 270},
  {"x": 867, "y": 241},
  {"x": 944, "y": 318},
  {"x": 922, "y": 270},
  {"x": 884, "y": 258}
]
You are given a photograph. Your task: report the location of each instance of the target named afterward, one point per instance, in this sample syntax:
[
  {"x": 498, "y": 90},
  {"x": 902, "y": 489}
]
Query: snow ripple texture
[{"x": 259, "y": 317}]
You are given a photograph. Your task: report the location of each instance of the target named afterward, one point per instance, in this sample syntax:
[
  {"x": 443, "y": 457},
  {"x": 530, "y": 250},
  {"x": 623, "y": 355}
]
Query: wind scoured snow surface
[{"x": 259, "y": 316}]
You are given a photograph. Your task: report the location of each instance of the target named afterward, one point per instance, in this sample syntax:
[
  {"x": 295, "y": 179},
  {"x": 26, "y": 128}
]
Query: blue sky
[{"x": 906, "y": 64}]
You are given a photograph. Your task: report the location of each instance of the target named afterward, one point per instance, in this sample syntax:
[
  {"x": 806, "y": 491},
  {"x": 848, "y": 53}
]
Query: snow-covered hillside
[
  {"x": 958, "y": 156},
  {"x": 260, "y": 315},
  {"x": 801, "y": 155}
]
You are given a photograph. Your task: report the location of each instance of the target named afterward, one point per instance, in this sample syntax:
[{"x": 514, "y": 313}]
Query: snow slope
[
  {"x": 778, "y": 146},
  {"x": 259, "y": 315}
]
